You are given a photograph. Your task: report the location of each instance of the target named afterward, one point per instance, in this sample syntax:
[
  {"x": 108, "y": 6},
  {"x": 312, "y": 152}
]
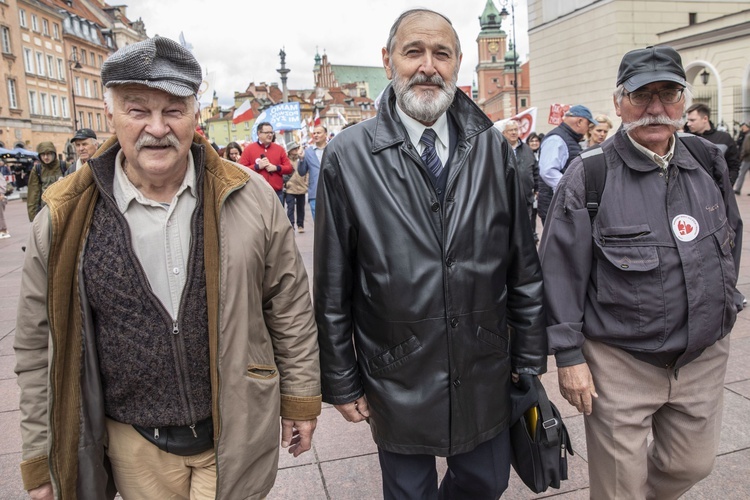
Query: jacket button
[
  {"x": 449, "y": 262},
  {"x": 435, "y": 207},
  {"x": 457, "y": 383},
  {"x": 454, "y": 322}
]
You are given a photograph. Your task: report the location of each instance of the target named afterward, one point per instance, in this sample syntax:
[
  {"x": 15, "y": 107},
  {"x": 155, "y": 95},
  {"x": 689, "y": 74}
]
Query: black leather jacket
[{"x": 414, "y": 298}]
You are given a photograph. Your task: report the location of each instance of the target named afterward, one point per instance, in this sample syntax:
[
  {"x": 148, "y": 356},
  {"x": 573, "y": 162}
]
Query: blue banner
[{"x": 284, "y": 116}]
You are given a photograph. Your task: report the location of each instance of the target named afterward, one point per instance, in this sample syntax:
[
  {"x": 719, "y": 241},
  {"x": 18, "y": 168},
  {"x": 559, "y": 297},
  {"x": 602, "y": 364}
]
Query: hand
[
  {"x": 43, "y": 492},
  {"x": 263, "y": 163},
  {"x": 356, "y": 411},
  {"x": 271, "y": 167},
  {"x": 297, "y": 435},
  {"x": 577, "y": 386}
]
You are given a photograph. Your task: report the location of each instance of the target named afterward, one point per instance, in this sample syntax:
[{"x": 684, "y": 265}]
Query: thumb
[{"x": 286, "y": 432}]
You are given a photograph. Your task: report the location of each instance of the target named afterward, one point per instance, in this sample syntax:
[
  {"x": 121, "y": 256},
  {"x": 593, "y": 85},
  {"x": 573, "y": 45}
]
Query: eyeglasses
[
  {"x": 666, "y": 96},
  {"x": 266, "y": 132}
]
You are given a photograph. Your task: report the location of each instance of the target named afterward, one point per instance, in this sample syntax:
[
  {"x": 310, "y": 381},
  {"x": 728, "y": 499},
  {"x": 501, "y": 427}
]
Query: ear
[
  {"x": 617, "y": 106},
  {"x": 387, "y": 63}
]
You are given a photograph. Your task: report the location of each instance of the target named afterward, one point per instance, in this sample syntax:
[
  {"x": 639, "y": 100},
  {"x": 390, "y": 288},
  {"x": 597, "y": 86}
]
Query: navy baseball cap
[{"x": 581, "y": 111}]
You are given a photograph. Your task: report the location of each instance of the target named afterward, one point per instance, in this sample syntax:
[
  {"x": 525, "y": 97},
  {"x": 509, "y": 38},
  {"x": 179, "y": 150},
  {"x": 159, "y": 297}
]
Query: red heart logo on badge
[{"x": 688, "y": 229}]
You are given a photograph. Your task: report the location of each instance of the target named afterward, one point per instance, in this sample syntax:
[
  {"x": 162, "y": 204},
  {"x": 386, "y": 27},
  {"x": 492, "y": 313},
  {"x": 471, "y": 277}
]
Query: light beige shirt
[
  {"x": 160, "y": 233},
  {"x": 415, "y": 130},
  {"x": 662, "y": 161}
]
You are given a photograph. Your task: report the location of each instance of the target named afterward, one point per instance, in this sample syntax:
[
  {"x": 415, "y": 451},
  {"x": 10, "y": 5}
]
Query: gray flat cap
[{"x": 159, "y": 63}]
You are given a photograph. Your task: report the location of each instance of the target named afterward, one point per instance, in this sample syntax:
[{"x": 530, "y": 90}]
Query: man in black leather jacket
[{"x": 427, "y": 285}]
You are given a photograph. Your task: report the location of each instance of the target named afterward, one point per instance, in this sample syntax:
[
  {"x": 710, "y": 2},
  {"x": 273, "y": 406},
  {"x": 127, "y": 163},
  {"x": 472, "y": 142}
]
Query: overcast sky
[{"x": 239, "y": 40}]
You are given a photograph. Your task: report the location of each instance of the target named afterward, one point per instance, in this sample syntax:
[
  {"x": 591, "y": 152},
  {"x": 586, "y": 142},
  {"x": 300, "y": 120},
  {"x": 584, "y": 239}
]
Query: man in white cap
[
  {"x": 163, "y": 327},
  {"x": 639, "y": 280}
]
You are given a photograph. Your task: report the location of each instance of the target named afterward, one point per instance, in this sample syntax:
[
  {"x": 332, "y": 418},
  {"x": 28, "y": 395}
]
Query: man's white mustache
[{"x": 145, "y": 140}]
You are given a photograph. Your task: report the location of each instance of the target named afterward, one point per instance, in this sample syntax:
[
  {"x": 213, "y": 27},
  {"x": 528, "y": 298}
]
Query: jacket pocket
[
  {"x": 493, "y": 339},
  {"x": 394, "y": 356},
  {"x": 262, "y": 372},
  {"x": 724, "y": 241},
  {"x": 630, "y": 291}
]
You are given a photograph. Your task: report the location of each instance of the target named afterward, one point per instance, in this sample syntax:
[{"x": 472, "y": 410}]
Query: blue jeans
[{"x": 312, "y": 208}]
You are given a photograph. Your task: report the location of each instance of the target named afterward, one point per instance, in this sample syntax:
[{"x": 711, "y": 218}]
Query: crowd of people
[{"x": 167, "y": 336}]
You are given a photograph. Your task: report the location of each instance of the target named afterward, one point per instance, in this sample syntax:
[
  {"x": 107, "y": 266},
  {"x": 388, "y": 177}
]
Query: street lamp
[
  {"x": 704, "y": 76},
  {"x": 73, "y": 63},
  {"x": 503, "y": 16}
]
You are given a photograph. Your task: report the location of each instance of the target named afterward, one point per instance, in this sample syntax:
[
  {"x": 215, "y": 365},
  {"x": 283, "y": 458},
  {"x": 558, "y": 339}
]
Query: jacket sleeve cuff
[
  {"x": 300, "y": 407},
  {"x": 35, "y": 472},
  {"x": 569, "y": 357}
]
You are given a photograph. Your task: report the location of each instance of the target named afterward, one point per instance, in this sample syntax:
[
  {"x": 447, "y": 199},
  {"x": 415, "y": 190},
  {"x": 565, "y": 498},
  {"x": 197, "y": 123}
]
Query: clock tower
[{"x": 491, "y": 43}]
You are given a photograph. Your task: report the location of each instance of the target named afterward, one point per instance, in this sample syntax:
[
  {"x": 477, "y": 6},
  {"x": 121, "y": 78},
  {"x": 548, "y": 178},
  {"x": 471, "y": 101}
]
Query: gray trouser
[{"x": 741, "y": 177}]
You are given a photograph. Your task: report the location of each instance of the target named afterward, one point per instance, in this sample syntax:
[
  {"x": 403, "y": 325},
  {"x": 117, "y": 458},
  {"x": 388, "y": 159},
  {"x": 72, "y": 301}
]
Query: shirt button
[
  {"x": 454, "y": 322},
  {"x": 435, "y": 207},
  {"x": 176, "y": 270}
]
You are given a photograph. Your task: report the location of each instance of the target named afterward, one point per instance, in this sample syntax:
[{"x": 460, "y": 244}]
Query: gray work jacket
[{"x": 655, "y": 274}]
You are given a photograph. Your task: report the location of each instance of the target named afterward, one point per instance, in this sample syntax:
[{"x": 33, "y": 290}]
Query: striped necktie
[{"x": 429, "y": 154}]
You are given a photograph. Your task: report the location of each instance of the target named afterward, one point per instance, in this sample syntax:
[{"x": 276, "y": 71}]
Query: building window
[
  {"x": 40, "y": 63},
  {"x": 95, "y": 86},
  {"x": 22, "y": 18},
  {"x": 86, "y": 87},
  {"x": 99, "y": 121},
  {"x": 12, "y": 98},
  {"x": 81, "y": 124},
  {"x": 524, "y": 102},
  {"x": 64, "y": 107},
  {"x": 43, "y": 104},
  {"x": 234, "y": 127},
  {"x": 32, "y": 102},
  {"x": 56, "y": 31},
  {"x": 78, "y": 85},
  {"x": 50, "y": 66},
  {"x": 247, "y": 125},
  {"x": 60, "y": 69},
  {"x": 28, "y": 60},
  {"x": 91, "y": 120},
  {"x": 83, "y": 56},
  {"x": 45, "y": 27},
  {"x": 34, "y": 23},
  {"x": 101, "y": 61},
  {"x": 6, "y": 40},
  {"x": 53, "y": 106}
]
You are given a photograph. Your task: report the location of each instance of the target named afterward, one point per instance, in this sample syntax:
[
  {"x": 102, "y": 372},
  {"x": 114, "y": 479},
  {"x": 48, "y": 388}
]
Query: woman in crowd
[
  {"x": 598, "y": 133},
  {"x": 233, "y": 151}
]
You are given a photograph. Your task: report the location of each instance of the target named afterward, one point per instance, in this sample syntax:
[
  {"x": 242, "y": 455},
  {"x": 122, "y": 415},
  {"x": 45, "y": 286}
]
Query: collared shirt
[
  {"x": 661, "y": 161},
  {"x": 553, "y": 157},
  {"x": 415, "y": 130},
  {"x": 319, "y": 153},
  {"x": 160, "y": 232}
]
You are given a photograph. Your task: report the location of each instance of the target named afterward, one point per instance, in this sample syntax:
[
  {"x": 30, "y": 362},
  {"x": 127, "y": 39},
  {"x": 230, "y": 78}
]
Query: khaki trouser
[
  {"x": 636, "y": 398},
  {"x": 144, "y": 472}
]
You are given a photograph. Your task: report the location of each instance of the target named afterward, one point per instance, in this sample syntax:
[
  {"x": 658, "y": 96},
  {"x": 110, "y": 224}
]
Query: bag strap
[
  {"x": 548, "y": 422},
  {"x": 595, "y": 178},
  {"x": 701, "y": 154}
]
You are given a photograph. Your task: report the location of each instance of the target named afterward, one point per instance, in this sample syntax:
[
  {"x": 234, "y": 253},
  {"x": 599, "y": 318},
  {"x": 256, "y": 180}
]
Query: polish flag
[
  {"x": 243, "y": 113},
  {"x": 316, "y": 121}
]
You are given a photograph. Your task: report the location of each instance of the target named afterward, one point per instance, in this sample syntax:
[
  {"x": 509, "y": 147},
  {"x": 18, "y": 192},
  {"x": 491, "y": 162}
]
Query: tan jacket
[
  {"x": 262, "y": 335},
  {"x": 297, "y": 184}
]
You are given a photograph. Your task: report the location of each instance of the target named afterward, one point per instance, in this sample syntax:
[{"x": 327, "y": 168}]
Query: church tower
[{"x": 491, "y": 43}]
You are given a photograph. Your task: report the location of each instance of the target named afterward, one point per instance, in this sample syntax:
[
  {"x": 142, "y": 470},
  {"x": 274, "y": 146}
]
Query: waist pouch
[{"x": 182, "y": 440}]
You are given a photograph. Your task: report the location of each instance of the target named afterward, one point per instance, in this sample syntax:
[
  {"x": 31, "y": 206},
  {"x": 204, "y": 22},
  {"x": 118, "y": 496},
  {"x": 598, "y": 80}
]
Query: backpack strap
[
  {"x": 701, "y": 154},
  {"x": 595, "y": 177},
  {"x": 38, "y": 170}
]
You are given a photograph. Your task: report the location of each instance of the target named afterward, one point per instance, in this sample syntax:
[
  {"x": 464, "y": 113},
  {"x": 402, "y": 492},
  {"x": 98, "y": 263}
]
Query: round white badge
[{"x": 685, "y": 228}]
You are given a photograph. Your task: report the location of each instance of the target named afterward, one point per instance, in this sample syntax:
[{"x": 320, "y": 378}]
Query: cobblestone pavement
[{"x": 343, "y": 463}]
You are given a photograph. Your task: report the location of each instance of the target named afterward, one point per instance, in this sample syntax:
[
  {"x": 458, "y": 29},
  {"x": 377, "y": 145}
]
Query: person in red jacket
[{"x": 268, "y": 159}]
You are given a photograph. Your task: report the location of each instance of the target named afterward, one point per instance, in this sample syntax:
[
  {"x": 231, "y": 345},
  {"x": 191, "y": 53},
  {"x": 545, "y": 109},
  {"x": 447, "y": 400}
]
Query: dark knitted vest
[{"x": 154, "y": 373}]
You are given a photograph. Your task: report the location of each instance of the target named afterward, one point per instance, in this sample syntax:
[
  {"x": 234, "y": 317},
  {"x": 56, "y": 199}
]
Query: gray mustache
[{"x": 145, "y": 140}]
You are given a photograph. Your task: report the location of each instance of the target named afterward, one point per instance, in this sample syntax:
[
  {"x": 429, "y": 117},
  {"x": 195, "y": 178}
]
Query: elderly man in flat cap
[
  {"x": 164, "y": 327},
  {"x": 640, "y": 256},
  {"x": 86, "y": 144}
]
